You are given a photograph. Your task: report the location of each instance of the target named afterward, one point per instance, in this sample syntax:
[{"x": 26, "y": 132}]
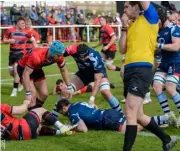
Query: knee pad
[
  {"x": 104, "y": 86},
  {"x": 159, "y": 78},
  {"x": 173, "y": 79}
]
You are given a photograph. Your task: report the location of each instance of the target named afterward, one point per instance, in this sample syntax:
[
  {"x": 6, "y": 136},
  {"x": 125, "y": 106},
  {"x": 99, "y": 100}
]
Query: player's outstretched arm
[
  {"x": 82, "y": 126},
  {"x": 64, "y": 73},
  {"x": 16, "y": 110}
]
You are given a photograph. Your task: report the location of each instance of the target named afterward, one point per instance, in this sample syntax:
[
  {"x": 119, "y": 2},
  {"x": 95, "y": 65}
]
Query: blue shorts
[
  {"x": 113, "y": 120},
  {"x": 172, "y": 68}
]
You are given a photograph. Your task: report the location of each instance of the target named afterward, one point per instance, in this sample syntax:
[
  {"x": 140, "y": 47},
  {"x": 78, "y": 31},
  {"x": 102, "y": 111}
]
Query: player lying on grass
[
  {"x": 61, "y": 88},
  {"x": 29, "y": 126},
  {"x": 87, "y": 117}
]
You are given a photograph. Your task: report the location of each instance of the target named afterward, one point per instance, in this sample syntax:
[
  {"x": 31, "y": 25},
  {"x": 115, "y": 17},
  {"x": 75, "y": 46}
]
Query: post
[
  {"x": 88, "y": 38},
  {"x": 54, "y": 33},
  {"x": 119, "y": 31}
]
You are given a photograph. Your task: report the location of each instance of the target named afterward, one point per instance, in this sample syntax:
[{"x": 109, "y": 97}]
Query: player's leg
[
  {"x": 13, "y": 59},
  {"x": 108, "y": 57},
  {"x": 11, "y": 72},
  {"x": 106, "y": 93},
  {"x": 172, "y": 81},
  {"x": 48, "y": 118},
  {"x": 151, "y": 126},
  {"x": 113, "y": 120},
  {"x": 158, "y": 84},
  {"x": 78, "y": 80},
  {"x": 41, "y": 87},
  {"x": 136, "y": 84}
]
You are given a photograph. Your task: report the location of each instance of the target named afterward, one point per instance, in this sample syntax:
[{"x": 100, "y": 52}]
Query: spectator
[
  {"x": 117, "y": 19},
  {"x": 43, "y": 21},
  {"x": 33, "y": 15},
  {"x": 5, "y": 18},
  {"x": 61, "y": 17},
  {"x": 81, "y": 21},
  {"x": 23, "y": 12},
  {"x": 14, "y": 14}
]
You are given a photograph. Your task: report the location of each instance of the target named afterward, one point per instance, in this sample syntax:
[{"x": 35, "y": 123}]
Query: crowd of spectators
[{"x": 44, "y": 16}]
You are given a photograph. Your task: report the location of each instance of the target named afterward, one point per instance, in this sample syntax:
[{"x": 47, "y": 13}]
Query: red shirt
[
  {"x": 29, "y": 44},
  {"x": 8, "y": 119},
  {"x": 106, "y": 32},
  {"x": 21, "y": 37},
  {"x": 37, "y": 58}
]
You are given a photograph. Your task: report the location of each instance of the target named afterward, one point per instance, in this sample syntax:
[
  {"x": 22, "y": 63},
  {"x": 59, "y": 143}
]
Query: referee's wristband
[
  {"x": 28, "y": 93},
  {"x": 92, "y": 98}
]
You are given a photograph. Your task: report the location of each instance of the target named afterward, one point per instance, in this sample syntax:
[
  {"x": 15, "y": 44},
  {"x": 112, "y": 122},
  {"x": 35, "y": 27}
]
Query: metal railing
[{"x": 69, "y": 26}]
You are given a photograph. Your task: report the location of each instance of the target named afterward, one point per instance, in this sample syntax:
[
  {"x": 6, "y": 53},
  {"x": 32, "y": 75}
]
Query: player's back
[
  {"x": 91, "y": 116},
  {"x": 11, "y": 123},
  {"x": 36, "y": 54}
]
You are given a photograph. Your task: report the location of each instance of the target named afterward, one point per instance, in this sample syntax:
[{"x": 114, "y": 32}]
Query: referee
[{"x": 138, "y": 41}]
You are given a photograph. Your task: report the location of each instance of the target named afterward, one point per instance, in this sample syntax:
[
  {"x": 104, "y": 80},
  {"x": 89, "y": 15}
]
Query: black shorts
[
  {"x": 33, "y": 120},
  {"x": 113, "y": 120},
  {"x": 137, "y": 80},
  {"x": 110, "y": 55},
  {"x": 14, "y": 58},
  {"x": 85, "y": 76},
  {"x": 36, "y": 75}
]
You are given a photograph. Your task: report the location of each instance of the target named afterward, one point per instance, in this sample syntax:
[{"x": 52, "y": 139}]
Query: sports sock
[
  {"x": 163, "y": 102},
  {"x": 130, "y": 136},
  {"x": 113, "y": 102},
  {"x": 176, "y": 99},
  {"x": 155, "y": 129},
  {"x": 160, "y": 120}
]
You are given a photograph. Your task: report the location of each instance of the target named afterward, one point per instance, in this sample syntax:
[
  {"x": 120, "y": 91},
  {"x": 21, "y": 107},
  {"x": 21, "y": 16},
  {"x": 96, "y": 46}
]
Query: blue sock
[
  {"x": 163, "y": 102},
  {"x": 176, "y": 99},
  {"x": 160, "y": 120},
  {"x": 114, "y": 103}
]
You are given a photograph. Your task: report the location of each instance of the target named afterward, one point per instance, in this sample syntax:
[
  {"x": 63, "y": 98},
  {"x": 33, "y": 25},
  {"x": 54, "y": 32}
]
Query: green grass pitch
[{"x": 93, "y": 140}]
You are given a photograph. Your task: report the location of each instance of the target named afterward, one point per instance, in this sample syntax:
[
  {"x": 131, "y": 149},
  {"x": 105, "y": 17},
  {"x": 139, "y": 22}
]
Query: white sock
[
  {"x": 58, "y": 132},
  {"x": 148, "y": 97},
  {"x": 15, "y": 90},
  {"x": 58, "y": 124}
]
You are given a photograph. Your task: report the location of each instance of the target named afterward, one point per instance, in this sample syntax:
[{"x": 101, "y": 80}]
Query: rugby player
[
  {"x": 31, "y": 72},
  {"x": 91, "y": 69},
  {"x": 17, "y": 37},
  {"x": 138, "y": 42},
  {"x": 29, "y": 126},
  {"x": 87, "y": 117},
  {"x": 168, "y": 72}
]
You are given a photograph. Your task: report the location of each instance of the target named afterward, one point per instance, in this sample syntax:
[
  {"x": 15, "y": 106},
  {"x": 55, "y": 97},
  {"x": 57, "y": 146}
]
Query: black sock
[
  {"x": 46, "y": 131},
  {"x": 118, "y": 68},
  {"x": 130, "y": 136},
  {"x": 39, "y": 104},
  {"x": 16, "y": 85},
  {"x": 154, "y": 128}
]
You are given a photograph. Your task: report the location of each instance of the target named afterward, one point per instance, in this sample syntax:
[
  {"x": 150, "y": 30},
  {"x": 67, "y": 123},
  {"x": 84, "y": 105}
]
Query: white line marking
[
  {"x": 5, "y": 68},
  {"x": 152, "y": 135},
  {"x": 49, "y": 75}
]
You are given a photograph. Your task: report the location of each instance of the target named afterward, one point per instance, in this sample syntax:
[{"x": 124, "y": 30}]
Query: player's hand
[
  {"x": 12, "y": 41},
  {"x": 105, "y": 48},
  {"x": 125, "y": 20},
  {"x": 91, "y": 103},
  {"x": 28, "y": 97},
  {"x": 159, "y": 46},
  {"x": 66, "y": 94}
]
